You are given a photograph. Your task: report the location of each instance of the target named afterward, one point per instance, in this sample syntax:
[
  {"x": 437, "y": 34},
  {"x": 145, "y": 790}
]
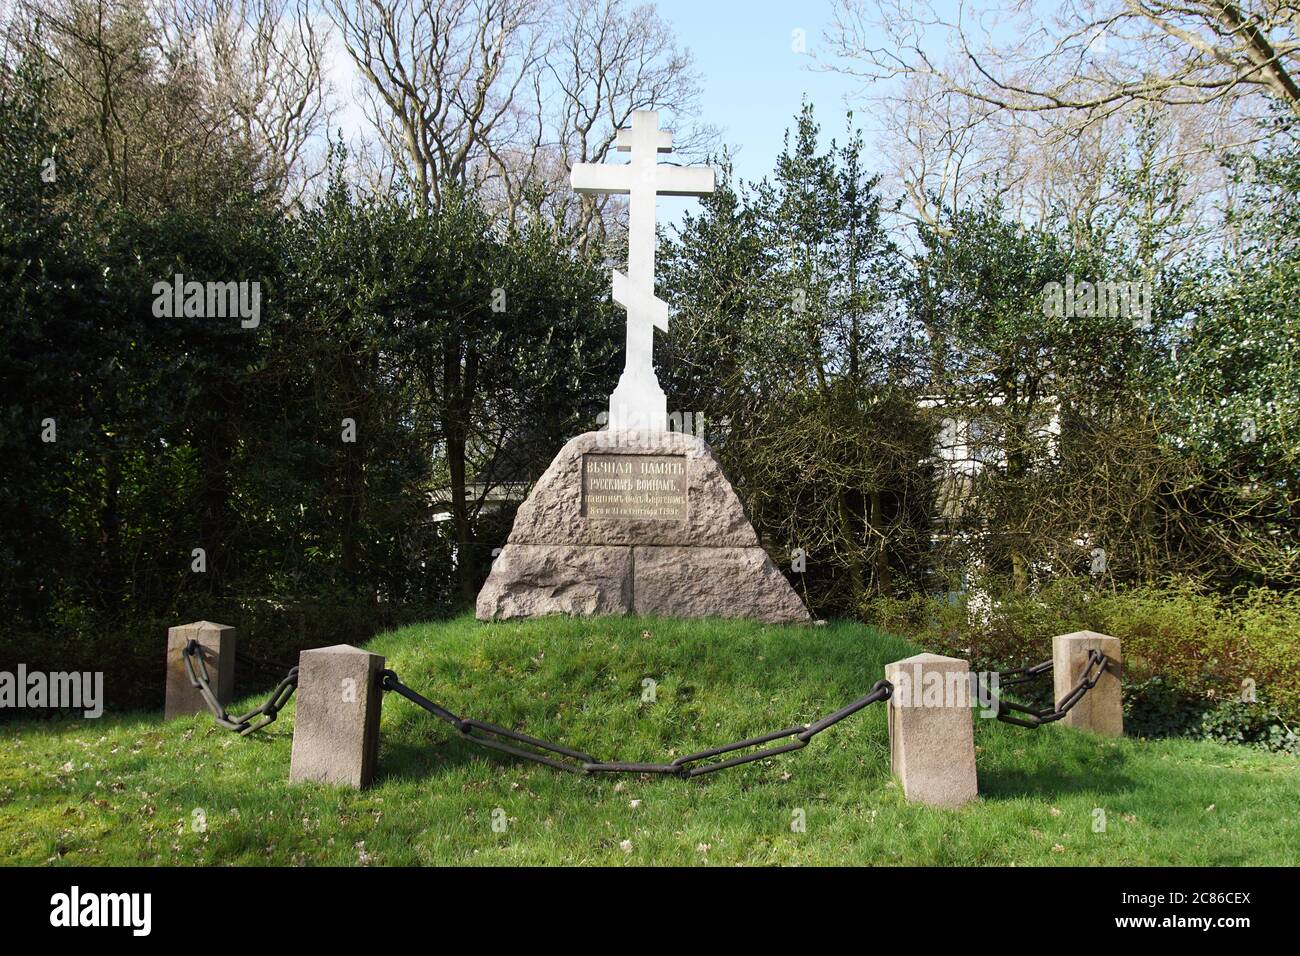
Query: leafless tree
[
  {"x": 171, "y": 98},
  {"x": 263, "y": 60},
  {"x": 605, "y": 59},
  {"x": 8, "y": 25},
  {"x": 1041, "y": 94},
  {"x": 133, "y": 114},
  {"x": 506, "y": 95},
  {"x": 938, "y": 149},
  {"x": 440, "y": 79},
  {"x": 1089, "y": 59}
]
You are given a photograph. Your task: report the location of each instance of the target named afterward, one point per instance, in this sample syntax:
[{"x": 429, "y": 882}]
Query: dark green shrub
[
  {"x": 1154, "y": 708},
  {"x": 1188, "y": 653}
]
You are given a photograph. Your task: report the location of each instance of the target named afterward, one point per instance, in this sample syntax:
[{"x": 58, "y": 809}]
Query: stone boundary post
[
  {"x": 336, "y": 723},
  {"x": 1102, "y": 709},
  {"x": 931, "y": 733},
  {"x": 217, "y": 645}
]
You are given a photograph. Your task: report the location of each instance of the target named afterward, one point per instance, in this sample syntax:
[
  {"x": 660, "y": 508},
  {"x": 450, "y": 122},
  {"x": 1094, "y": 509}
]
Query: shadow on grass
[
  {"x": 1055, "y": 773},
  {"x": 405, "y": 761}
]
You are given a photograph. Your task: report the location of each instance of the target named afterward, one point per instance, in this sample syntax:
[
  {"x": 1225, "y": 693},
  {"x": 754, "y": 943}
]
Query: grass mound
[{"x": 133, "y": 790}]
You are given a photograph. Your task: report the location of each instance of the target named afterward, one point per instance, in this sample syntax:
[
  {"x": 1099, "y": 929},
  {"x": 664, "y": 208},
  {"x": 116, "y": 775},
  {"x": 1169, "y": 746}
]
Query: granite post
[
  {"x": 931, "y": 736},
  {"x": 1101, "y": 709},
  {"x": 336, "y": 723},
  {"x": 217, "y": 646}
]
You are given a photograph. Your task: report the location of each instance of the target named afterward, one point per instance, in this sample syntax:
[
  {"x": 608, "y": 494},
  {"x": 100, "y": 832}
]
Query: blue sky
[{"x": 752, "y": 79}]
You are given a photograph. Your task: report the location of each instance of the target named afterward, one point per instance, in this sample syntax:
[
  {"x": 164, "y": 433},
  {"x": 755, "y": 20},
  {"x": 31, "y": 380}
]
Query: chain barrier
[
  {"x": 1036, "y": 717},
  {"x": 243, "y": 725},
  {"x": 490, "y": 735},
  {"x": 498, "y": 738}
]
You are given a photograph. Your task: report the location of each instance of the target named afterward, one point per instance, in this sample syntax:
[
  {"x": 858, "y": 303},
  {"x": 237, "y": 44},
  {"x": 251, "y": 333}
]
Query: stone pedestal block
[
  {"x": 336, "y": 723},
  {"x": 554, "y": 512},
  {"x": 712, "y": 582},
  {"x": 529, "y": 580},
  {"x": 217, "y": 645},
  {"x": 1102, "y": 709},
  {"x": 931, "y": 736}
]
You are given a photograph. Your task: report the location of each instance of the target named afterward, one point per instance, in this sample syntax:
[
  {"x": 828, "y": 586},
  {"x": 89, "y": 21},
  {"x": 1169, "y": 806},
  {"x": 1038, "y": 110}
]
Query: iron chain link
[
  {"x": 1035, "y": 717},
  {"x": 575, "y": 761},
  {"x": 243, "y": 725},
  {"x": 503, "y": 739}
]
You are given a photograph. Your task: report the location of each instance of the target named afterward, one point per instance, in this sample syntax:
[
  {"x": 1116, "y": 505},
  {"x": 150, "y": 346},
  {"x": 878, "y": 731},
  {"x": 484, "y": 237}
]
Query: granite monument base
[{"x": 636, "y": 523}]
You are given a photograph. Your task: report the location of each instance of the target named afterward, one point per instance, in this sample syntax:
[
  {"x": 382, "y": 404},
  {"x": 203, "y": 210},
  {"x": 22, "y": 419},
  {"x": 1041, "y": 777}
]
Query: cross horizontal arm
[
  {"x": 683, "y": 180},
  {"x": 619, "y": 179},
  {"x": 601, "y": 178}
]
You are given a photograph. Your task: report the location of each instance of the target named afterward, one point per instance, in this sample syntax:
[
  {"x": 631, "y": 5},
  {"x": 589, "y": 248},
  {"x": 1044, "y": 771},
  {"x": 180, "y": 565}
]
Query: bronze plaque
[{"x": 634, "y": 486}]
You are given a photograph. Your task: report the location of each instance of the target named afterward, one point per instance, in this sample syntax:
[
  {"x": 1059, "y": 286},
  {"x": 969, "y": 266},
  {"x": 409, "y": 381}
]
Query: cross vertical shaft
[{"x": 638, "y": 403}]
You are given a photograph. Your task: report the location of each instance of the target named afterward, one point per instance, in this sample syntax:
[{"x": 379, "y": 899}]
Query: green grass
[{"x": 124, "y": 790}]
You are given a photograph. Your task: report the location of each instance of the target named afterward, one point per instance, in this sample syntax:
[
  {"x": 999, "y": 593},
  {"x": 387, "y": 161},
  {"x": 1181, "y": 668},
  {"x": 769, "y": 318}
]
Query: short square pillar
[
  {"x": 931, "y": 735},
  {"x": 217, "y": 646},
  {"x": 1101, "y": 709},
  {"x": 336, "y": 720}
]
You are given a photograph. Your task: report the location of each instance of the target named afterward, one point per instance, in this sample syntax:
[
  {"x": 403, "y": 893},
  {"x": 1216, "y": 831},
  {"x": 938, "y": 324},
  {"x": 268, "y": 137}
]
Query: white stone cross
[{"x": 638, "y": 403}]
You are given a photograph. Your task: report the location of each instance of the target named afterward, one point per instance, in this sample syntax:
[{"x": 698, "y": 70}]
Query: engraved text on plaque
[{"x": 634, "y": 486}]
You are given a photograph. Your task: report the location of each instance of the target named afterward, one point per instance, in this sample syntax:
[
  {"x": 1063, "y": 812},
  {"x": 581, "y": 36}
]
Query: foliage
[
  {"x": 1234, "y": 388},
  {"x": 786, "y": 340},
  {"x": 46, "y": 315},
  {"x": 832, "y": 372},
  {"x": 1155, "y": 709},
  {"x": 1188, "y": 652},
  {"x": 906, "y": 428},
  {"x": 306, "y": 452}
]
